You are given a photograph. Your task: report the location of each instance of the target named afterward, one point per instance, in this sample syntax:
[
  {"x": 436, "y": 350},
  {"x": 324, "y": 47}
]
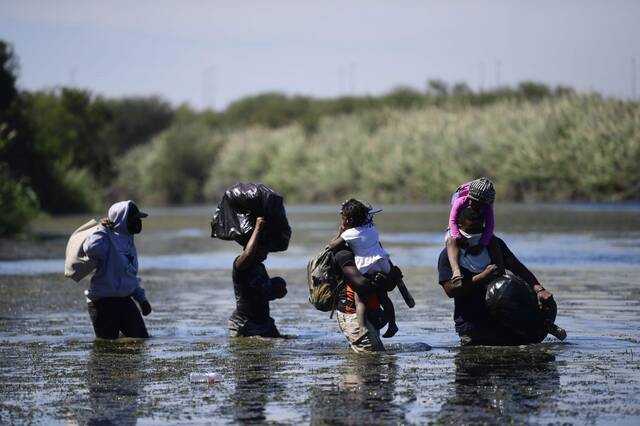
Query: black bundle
[
  {"x": 235, "y": 216},
  {"x": 513, "y": 303}
]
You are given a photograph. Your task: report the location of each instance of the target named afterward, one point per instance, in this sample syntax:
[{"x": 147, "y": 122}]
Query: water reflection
[
  {"x": 497, "y": 385},
  {"x": 364, "y": 394},
  {"x": 254, "y": 368},
  {"x": 114, "y": 380}
]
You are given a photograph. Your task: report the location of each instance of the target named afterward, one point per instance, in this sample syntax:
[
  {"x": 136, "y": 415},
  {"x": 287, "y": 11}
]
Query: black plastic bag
[
  {"x": 513, "y": 303},
  {"x": 241, "y": 204}
]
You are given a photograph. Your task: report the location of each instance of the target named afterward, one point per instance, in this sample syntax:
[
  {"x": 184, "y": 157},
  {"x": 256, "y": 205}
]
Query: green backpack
[{"x": 325, "y": 281}]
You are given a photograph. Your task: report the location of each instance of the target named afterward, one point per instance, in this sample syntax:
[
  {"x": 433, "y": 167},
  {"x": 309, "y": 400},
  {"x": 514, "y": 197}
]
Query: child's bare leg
[
  {"x": 390, "y": 312},
  {"x": 495, "y": 252},
  {"x": 361, "y": 314},
  {"x": 453, "y": 251}
]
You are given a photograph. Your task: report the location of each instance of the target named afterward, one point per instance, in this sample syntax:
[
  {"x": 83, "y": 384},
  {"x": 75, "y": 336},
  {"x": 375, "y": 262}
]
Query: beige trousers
[{"x": 348, "y": 324}]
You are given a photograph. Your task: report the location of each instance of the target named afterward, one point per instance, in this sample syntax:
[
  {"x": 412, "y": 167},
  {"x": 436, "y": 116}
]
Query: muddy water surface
[{"x": 52, "y": 370}]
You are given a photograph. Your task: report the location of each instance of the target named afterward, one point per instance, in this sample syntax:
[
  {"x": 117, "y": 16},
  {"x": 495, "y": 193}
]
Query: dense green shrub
[
  {"x": 133, "y": 121},
  {"x": 173, "y": 168},
  {"x": 19, "y": 204},
  {"x": 568, "y": 148}
]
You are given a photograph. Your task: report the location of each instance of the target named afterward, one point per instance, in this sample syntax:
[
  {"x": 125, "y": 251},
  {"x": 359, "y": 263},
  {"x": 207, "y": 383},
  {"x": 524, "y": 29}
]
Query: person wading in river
[
  {"x": 115, "y": 282},
  {"x": 346, "y": 307},
  {"x": 254, "y": 289},
  {"x": 473, "y": 322}
]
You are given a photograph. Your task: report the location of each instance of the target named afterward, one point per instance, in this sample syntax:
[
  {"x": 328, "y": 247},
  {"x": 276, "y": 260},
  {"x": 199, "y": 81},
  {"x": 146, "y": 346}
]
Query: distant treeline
[{"x": 66, "y": 150}]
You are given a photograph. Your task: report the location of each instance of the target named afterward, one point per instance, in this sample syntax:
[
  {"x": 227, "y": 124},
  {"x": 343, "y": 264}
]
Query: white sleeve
[{"x": 350, "y": 234}]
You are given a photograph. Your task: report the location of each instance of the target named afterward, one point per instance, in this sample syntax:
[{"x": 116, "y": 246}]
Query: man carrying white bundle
[{"x": 115, "y": 283}]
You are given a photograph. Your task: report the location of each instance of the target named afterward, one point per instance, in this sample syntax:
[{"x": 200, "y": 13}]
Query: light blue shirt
[{"x": 474, "y": 263}]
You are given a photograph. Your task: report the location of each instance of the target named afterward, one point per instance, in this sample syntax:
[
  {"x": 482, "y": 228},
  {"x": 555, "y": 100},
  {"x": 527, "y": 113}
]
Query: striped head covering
[{"x": 482, "y": 190}]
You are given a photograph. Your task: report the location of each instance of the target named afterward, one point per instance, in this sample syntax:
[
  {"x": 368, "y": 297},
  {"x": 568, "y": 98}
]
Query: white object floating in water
[{"x": 205, "y": 378}]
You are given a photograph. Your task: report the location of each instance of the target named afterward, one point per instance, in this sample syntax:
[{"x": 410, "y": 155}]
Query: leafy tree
[
  {"x": 437, "y": 88},
  {"x": 133, "y": 121},
  {"x": 269, "y": 109},
  {"x": 18, "y": 201},
  {"x": 404, "y": 97},
  {"x": 461, "y": 89},
  {"x": 66, "y": 124},
  {"x": 534, "y": 91},
  {"x": 44, "y": 137},
  {"x": 173, "y": 168},
  {"x": 8, "y": 75}
]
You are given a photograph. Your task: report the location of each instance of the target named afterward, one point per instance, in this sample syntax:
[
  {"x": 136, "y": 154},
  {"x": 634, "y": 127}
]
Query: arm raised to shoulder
[{"x": 251, "y": 250}]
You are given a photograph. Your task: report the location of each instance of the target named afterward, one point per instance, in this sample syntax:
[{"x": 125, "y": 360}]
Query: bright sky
[{"x": 209, "y": 53}]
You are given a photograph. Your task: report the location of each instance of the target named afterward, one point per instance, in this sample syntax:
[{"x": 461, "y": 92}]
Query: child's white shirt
[{"x": 367, "y": 251}]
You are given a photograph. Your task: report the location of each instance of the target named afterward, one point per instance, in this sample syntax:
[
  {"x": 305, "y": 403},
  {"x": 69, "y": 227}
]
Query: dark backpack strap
[{"x": 336, "y": 294}]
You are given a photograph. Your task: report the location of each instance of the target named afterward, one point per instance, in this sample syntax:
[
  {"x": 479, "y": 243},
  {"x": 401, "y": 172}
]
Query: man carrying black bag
[
  {"x": 474, "y": 322},
  {"x": 254, "y": 289},
  {"x": 234, "y": 218},
  {"x": 253, "y": 215}
]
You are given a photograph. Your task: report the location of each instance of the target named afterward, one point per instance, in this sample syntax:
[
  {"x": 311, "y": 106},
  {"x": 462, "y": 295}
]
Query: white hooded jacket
[{"x": 117, "y": 271}]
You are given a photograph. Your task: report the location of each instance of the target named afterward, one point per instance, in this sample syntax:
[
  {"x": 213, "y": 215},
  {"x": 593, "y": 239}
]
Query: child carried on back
[{"x": 358, "y": 230}]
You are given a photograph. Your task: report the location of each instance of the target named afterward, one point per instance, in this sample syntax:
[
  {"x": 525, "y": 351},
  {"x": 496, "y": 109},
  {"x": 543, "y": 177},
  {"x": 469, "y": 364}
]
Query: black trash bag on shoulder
[
  {"x": 513, "y": 303},
  {"x": 235, "y": 216}
]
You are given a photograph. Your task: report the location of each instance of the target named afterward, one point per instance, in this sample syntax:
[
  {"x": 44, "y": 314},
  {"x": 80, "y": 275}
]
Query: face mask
[{"x": 134, "y": 224}]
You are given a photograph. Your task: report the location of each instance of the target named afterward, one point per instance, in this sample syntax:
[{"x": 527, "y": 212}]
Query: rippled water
[
  {"x": 53, "y": 371},
  {"x": 542, "y": 236}
]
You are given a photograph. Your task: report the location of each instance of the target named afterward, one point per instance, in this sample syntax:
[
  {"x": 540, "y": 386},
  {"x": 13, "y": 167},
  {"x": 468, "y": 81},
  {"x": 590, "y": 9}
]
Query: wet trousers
[
  {"x": 112, "y": 315},
  {"x": 348, "y": 324},
  {"x": 243, "y": 327}
]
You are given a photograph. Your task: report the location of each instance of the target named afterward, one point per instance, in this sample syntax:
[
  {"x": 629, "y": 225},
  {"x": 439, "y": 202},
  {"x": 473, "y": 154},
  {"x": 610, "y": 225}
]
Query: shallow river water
[{"x": 52, "y": 370}]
